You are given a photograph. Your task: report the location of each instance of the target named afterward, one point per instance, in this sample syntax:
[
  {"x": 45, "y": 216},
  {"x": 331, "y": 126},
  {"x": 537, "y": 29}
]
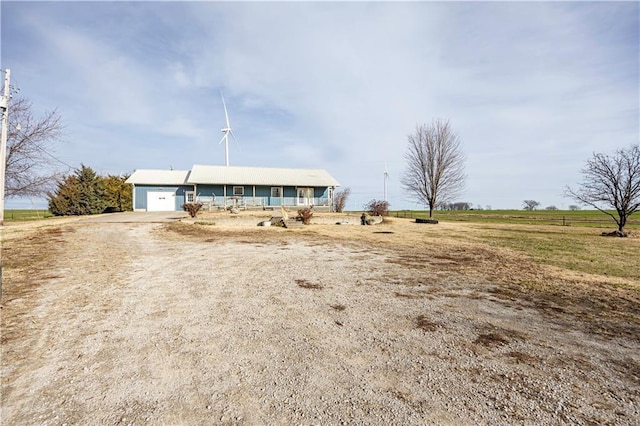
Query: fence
[{"x": 501, "y": 217}]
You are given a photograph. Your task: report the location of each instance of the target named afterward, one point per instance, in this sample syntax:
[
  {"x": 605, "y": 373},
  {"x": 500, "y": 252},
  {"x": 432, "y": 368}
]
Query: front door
[{"x": 305, "y": 196}]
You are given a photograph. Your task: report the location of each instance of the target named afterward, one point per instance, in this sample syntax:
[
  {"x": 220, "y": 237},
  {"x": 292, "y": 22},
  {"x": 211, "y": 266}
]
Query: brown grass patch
[
  {"x": 425, "y": 323},
  {"x": 407, "y": 295},
  {"x": 26, "y": 265},
  {"x": 522, "y": 358},
  {"x": 491, "y": 336},
  {"x": 491, "y": 340},
  {"x": 308, "y": 284}
]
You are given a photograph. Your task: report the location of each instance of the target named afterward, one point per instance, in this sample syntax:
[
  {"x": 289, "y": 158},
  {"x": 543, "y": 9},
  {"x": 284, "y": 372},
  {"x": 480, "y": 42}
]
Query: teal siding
[
  {"x": 210, "y": 190},
  {"x": 263, "y": 191},
  {"x": 214, "y": 194},
  {"x": 290, "y": 191}
]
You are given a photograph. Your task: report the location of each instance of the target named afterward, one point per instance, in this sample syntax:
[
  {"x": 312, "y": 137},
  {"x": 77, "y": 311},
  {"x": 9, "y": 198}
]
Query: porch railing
[{"x": 242, "y": 202}]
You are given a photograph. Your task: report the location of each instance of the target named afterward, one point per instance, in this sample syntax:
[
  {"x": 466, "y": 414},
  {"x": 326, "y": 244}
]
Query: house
[{"x": 224, "y": 186}]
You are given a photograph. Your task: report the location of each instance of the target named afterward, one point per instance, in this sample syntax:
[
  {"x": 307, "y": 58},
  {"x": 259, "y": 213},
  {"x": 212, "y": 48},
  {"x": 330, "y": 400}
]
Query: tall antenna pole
[
  {"x": 386, "y": 177},
  {"x": 4, "y": 105}
]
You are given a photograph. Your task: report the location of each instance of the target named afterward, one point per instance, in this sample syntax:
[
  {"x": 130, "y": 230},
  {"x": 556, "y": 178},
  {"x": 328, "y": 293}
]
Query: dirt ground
[{"x": 198, "y": 323}]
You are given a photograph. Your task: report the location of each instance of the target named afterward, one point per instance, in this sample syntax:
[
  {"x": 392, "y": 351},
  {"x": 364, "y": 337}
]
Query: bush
[
  {"x": 192, "y": 208},
  {"x": 340, "y": 199},
  {"x": 305, "y": 215},
  {"x": 377, "y": 207}
]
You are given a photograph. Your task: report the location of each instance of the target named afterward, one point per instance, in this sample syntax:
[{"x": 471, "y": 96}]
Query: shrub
[
  {"x": 192, "y": 208},
  {"x": 305, "y": 215},
  {"x": 340, "y": 199},
  {"x": 377, "y": 207}
]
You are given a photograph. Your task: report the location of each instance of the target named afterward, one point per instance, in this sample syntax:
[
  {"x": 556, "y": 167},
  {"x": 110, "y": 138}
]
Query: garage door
[{"x": 161, "y": 201}]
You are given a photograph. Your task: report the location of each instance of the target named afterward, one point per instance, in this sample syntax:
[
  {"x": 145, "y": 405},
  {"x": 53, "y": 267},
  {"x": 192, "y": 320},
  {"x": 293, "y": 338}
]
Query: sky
[{"x": 532, "y": 89}]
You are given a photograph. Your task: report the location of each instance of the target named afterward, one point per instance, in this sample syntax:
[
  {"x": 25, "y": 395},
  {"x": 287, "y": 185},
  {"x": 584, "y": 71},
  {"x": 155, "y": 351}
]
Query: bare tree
[
  {"x": 611, "y": 182},
  {"x": 30, "y": 163},
  {"x": 435, "y": 164},
  {"x": 530, "y": 204},
  {"x": 340, "y": 200},
  {"x": 377, "y": 207}
]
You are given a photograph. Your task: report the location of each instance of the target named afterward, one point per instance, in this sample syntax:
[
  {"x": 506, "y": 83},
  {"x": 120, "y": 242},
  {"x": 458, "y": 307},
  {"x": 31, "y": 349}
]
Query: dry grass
[
  {"x": 308, "y": 284},
  {"x": 25, "y": 261},
  {"x": 425, "y": 323},
  {"x": 491, "y": 339}
]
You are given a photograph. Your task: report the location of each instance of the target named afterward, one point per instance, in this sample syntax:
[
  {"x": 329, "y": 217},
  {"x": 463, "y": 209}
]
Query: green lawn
[
  {"x": 589, "y": 218},
  {"x": 573, "y": 248},
  {"x": 26, "y": 214}
]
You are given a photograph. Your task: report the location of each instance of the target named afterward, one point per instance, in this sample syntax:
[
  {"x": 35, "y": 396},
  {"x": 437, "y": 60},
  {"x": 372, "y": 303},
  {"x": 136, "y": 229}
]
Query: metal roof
[
  {"x": 233, "y": 175},
  {"x": 158, "y": 177}
]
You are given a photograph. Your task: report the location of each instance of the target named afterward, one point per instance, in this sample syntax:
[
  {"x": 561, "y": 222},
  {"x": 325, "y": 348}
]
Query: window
[
  {"x": 189, "y": 196},
  {"x": 276, "y": 191},
  {"x": 238, "y": 190}
]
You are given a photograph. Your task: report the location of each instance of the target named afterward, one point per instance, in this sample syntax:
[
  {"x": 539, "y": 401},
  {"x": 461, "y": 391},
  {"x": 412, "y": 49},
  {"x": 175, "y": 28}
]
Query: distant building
[{"x": 224, "y": 186}]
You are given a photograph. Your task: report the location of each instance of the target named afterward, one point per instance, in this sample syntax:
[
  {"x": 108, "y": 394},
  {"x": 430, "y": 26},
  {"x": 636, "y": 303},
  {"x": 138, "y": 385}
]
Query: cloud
[{"x": 532, "y": 89}]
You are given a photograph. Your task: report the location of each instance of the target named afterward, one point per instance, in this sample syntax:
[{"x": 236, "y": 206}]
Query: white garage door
[{"x": 161, "y": 201}]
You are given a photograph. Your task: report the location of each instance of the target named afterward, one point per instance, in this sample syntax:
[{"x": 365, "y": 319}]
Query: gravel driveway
[{"x": 132, "y": 323}]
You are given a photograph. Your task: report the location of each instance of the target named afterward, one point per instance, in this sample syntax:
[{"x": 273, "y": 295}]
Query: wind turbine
[
  {"x": 386, "y": 178},
  {"x": 227, "y": 131}
]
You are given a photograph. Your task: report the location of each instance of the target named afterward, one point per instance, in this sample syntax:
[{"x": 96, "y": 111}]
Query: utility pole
[{"x": 4, "y": 104}]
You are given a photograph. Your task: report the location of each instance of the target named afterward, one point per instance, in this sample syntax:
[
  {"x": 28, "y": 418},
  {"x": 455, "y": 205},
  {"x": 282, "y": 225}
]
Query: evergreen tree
[
  {"x": 79, "y": 194},
  {"x": 117, "y": 196},
  {"x": 62, "y": 202}
]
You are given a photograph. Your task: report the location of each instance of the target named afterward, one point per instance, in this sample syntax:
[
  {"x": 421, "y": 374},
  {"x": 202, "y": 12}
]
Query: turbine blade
[
  {"x": 235, "y": 139},
  {"x": 223, "y": 138},
  {"x": 226, "y": 115}
]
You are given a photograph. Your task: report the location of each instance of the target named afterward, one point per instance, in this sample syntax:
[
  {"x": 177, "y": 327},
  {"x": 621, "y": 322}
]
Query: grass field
[
  {"x": 26, "y": 214},
  {"x": 584, "y": 218},
  {"x": 587, "y": 218}
]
